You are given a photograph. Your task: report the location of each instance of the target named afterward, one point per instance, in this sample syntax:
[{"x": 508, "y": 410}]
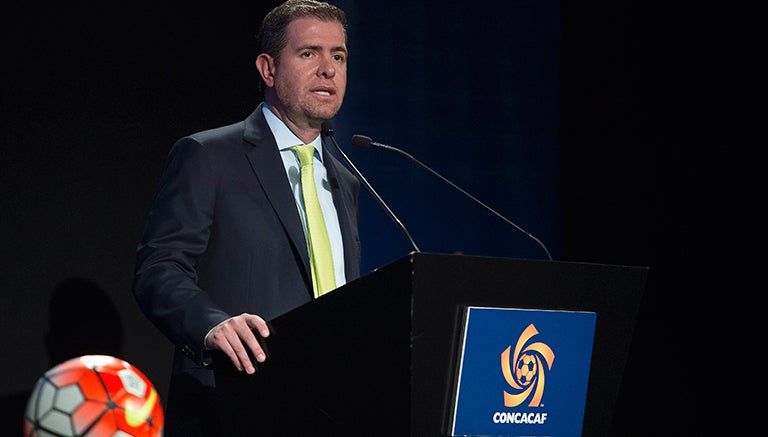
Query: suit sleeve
[{"x": 174, "y": 239}]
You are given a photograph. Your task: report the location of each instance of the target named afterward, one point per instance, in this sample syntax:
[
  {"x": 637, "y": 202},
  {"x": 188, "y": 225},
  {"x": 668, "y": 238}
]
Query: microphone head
[
  {"x": 361, "y": 141},
  {"x": 326, "y": 129}
]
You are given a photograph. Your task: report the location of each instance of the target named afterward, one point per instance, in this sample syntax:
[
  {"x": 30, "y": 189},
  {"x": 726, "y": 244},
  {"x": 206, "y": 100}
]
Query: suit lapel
[{"x": 268, "y": 167}]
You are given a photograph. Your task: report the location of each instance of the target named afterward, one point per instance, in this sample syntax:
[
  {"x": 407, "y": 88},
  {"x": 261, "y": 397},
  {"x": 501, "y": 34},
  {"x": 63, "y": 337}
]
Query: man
[{"x": 224, "y": 248}]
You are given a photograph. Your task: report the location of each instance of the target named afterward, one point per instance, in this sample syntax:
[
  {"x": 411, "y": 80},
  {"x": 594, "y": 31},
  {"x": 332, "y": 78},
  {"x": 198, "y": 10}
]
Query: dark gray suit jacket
[{"x": 223, "y": 237}]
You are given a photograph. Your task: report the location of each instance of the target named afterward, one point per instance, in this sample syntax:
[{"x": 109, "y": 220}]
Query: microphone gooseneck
[
  {"x": 364, "y": 141},
  {"x": 327, "y": 131}
]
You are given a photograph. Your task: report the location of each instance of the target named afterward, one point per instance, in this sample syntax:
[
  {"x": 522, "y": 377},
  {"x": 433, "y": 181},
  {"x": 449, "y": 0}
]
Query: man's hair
[{"x": 272, "y": 36}]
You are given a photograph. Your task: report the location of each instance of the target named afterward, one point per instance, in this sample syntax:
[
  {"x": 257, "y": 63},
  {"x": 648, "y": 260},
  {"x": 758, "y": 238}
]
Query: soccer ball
[
  {"x": 526, "y": 369},
  {"x": 93, "y": 396}
]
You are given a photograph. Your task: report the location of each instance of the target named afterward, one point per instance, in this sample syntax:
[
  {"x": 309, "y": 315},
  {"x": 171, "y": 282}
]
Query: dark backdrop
[{"x": 565, "y": 117}]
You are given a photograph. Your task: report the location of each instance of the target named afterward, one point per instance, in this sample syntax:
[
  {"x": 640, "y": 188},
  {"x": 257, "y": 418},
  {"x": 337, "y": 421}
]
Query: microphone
[
  {"x": 364, "y": 141},
  {"x": 327, "y": 131}
]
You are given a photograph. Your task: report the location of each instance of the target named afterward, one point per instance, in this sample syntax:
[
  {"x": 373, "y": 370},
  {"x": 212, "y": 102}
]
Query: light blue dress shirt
[{"x": 285, "y": 140}]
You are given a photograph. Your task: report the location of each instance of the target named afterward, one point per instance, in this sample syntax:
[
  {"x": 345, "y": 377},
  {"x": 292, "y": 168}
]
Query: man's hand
[{"x": 233, "y": 335}]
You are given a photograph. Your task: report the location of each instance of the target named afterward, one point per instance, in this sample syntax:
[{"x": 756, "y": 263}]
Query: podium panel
[{"x": 378, "y": 356}]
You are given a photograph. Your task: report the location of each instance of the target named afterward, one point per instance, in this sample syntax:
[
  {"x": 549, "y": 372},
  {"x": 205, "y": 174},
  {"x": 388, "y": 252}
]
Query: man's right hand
[{"x": 233, "y": 335}]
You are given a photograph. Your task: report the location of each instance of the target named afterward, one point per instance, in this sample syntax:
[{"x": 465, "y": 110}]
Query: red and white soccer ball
[{"x": 94, "y": 396}]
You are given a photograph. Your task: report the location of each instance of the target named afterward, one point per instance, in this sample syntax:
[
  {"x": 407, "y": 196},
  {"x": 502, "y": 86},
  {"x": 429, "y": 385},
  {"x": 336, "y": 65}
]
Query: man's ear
[{"x": 266, "y": 66}]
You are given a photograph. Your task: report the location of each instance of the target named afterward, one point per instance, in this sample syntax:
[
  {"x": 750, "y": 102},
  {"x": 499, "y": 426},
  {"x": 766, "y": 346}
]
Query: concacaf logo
[{"x": 524, "y": 370}]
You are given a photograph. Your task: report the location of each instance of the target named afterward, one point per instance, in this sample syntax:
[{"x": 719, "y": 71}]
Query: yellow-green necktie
[{"x": 320, "y": 255}]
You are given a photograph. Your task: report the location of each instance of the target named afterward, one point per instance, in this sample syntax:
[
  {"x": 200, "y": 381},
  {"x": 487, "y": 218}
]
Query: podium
[{"x": 378, "y": 356}]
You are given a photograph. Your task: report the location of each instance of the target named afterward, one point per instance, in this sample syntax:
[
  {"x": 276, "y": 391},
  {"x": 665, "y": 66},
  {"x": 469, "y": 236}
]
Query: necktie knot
[{"x": 306, "y": 154}]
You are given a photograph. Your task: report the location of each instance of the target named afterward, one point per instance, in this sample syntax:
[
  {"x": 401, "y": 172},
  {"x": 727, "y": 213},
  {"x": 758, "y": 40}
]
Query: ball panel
[
  {"x": 91, "y": 385},
  {"x": 109, "y": 381},
  {"x": 106, "y": 426},
  {"x": 32, "y": 402},
  {"x": 74, "y": 364},
  {"x": 58, "y": 421},
  {"x": 89, "y": 412},
  {"x": 134, "y": 383},
  {"x": 68, "y": 399}
]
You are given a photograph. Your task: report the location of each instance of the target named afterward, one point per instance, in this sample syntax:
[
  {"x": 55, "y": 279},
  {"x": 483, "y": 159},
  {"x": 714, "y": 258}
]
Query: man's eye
[
  {"x": 306, "y": 54},
  {"x": 339, "y": 58}
]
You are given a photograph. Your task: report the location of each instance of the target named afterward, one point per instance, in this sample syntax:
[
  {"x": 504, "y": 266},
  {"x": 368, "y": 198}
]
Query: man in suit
[{"x": 224, "y": 247}]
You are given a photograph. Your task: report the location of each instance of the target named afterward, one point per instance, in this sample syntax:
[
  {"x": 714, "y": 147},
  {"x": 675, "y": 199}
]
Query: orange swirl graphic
[{"x": 528, "y": 361}]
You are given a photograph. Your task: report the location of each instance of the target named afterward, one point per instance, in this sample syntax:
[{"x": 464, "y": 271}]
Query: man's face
[{"x": 310, "y": 78}]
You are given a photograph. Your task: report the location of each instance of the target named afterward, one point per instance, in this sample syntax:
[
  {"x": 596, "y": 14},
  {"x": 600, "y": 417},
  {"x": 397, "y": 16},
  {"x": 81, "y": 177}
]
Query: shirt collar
[{"x": 284, "y": 137}]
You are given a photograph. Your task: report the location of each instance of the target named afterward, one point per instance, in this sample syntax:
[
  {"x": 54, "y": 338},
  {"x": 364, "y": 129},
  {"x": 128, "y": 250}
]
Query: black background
[{"x": 602, "y": 98}]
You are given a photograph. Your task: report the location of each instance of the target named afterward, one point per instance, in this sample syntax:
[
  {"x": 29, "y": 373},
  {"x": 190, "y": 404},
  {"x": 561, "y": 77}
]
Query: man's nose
[{"x": 327, "y": 67}]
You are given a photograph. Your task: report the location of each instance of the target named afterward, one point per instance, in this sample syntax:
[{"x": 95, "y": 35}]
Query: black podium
[{"x": 378, "y": 356}]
